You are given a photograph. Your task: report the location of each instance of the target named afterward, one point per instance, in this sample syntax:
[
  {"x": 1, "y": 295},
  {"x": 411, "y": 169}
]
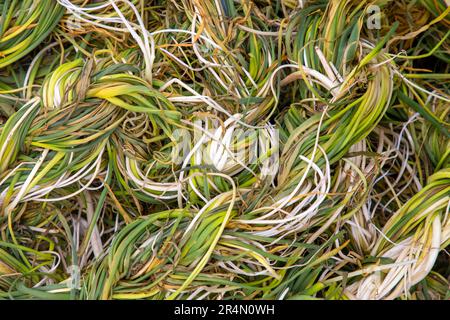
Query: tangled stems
[
  {"x": 24, "y": 26},
  {"x": 224, "y": 150}
]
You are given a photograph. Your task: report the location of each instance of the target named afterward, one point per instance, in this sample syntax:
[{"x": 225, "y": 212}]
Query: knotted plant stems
[{"x": 224, "y": 149}]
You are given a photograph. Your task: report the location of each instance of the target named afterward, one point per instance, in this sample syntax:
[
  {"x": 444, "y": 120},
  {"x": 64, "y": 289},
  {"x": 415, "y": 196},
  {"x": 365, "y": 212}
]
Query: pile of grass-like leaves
[{"x": 351, "y": 96}]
